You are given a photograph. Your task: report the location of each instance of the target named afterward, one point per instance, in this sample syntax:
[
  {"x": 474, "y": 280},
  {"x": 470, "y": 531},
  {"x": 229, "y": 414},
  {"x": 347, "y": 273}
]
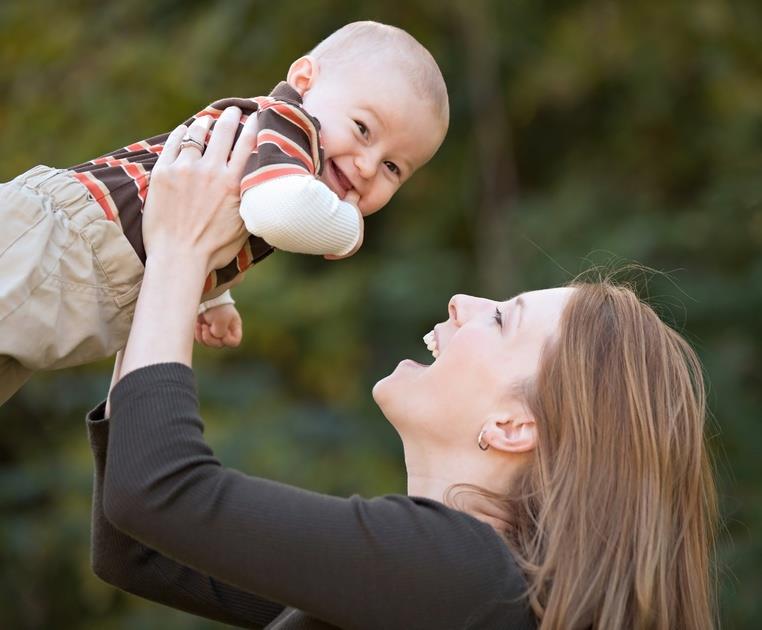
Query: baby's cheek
[
  {"x": 370, "y": 207},
  {"x": 378, "y": 200}
]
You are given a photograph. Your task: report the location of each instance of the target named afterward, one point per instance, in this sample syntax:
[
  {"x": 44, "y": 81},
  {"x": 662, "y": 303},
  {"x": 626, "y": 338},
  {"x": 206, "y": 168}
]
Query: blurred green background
[{"x": 581, "y": 133}]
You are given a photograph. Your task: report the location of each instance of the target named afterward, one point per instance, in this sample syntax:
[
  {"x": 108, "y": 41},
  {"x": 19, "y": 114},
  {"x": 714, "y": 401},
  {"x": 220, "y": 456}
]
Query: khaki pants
[{"x": 68, "y": 277}]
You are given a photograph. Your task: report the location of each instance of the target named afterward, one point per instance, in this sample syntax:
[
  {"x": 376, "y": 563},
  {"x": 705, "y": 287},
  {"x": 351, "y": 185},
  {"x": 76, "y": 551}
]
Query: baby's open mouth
[{"x": 341, "y": 179}]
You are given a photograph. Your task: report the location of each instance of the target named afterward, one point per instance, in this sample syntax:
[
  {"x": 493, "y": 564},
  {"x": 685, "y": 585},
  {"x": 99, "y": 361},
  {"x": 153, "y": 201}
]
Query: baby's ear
[{"x": 302, "y": 74}]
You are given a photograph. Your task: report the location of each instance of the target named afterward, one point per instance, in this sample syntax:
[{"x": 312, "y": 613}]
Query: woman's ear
[
  {"x": 302, "y": 74},
  {"x": 510, "y": 435}
]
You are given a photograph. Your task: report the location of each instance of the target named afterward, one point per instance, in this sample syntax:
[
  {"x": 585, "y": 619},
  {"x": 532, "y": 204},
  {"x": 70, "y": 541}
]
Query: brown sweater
[{"x": 171, "y": 524}]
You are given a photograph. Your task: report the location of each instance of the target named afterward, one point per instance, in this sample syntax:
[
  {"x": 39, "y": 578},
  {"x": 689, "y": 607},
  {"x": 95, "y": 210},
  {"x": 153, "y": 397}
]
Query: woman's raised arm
[{"x": 191, "y": 225}]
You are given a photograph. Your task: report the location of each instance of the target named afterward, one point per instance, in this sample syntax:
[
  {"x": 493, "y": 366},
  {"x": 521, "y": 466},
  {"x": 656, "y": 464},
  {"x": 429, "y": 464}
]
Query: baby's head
[{"x": 382, "y": 106}]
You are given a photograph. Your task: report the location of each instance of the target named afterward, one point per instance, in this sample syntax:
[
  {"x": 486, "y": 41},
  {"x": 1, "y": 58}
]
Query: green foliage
[{"x": 579, "y": 131}]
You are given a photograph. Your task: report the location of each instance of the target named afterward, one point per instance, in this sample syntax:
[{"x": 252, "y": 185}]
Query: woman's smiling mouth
[{"x": 432, "y": 343}]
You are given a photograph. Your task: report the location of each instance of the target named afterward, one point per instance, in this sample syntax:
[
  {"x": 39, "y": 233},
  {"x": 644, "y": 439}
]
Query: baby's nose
[{"x": 366, "y": 164}]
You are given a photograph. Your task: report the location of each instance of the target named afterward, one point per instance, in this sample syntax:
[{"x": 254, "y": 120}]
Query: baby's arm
[
  {"x": 282, "y": 200},
  {"x": 299, "y": 213}
]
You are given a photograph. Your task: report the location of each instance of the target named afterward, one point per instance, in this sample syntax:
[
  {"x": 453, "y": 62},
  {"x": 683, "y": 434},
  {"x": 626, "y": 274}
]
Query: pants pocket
[{"x": 68, "y": 285}]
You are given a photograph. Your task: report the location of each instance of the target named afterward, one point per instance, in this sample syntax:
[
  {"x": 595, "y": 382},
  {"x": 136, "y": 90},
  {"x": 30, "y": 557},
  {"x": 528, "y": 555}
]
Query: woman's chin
[
  {"x": 380, "y": 391},
  {"x": 397, "y": 384}
]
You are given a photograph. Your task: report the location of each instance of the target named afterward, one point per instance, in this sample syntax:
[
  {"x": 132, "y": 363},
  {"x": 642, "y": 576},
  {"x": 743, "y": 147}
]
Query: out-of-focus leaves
[{"x": 580, "y": 132}]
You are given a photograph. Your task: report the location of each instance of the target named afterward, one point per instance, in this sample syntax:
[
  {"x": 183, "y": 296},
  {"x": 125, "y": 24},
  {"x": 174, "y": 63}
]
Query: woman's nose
[{"x": 463, "y": 307}]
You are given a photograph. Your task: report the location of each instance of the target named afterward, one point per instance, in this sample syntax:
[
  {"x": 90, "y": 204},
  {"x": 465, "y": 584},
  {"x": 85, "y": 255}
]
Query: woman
[{"x": 557, "y": 472}]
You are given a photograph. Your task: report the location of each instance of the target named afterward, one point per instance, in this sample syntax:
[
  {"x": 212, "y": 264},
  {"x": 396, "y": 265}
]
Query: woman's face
[{"x": 483, "y": 350}]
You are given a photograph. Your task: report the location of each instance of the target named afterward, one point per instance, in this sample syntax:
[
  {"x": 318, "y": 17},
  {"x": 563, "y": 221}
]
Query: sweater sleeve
[
  {"x": 389, "y": 562},
  {"x": 127, "y": 564},
  {"x": 299, "y": 213}
]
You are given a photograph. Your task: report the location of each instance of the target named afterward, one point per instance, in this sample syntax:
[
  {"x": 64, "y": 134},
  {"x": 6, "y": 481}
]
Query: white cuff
[{"x": 220, "y": 300}]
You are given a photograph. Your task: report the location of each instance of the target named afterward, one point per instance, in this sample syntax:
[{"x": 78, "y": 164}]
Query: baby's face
[{"x": 376, "y": 132}]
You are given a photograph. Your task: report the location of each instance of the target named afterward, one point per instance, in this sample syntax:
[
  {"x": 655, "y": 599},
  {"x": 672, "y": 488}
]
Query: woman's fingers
[
  {"x": 193, "y": 142},
  {"x": 221, "y": 143},
  {"x": 172, "y": 146},
  {"x": 198, "y": 197},
  {"x": 244, "y": 146},
  {"x": 188, "y": 144}
]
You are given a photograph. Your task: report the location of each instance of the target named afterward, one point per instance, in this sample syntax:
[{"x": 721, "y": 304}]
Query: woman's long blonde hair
[{"x": 614, "y": 521}]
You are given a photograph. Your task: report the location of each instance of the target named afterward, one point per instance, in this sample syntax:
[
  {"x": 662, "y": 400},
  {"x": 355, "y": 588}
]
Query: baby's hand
[
  {"x": 352, "y": 198},
  {"x": 219, "y": 326}
]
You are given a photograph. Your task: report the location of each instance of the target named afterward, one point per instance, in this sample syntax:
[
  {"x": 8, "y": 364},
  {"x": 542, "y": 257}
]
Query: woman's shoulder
[
  {"x": 448, "y": 556},
  {"x": 450, "y": 539}
]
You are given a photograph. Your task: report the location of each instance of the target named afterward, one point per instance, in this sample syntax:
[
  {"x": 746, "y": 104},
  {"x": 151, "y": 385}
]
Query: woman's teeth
[{"x": 431, "y": 343}]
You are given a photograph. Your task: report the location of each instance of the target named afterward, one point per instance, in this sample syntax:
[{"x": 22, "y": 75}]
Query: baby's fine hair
[{"x": 362, "y": 41}]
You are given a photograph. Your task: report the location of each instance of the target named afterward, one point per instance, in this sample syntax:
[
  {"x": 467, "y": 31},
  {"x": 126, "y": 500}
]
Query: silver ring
[{"x": 187, "y": 141}]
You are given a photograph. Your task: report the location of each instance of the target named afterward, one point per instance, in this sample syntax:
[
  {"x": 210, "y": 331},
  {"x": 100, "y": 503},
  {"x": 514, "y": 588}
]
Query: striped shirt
[{"x": 288, "y": 143}]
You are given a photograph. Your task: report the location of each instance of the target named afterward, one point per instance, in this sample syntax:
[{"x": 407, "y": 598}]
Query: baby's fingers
[
  {"x": 231, "y": 341},
  {"x": 208, "y": 339},
  {"x": 234, "y": 334},
  {"x": 352, "y": 197},
  {"x": 218, "y": 327}
]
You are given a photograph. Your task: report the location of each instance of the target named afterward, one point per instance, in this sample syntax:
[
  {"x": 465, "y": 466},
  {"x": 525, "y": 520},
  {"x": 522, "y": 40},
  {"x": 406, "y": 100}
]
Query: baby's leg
[{"x": 68, "y": 275}]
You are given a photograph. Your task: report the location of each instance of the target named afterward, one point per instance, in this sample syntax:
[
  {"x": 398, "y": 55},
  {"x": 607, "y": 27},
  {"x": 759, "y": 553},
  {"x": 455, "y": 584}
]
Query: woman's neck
[{"x": 455, "y": 481}]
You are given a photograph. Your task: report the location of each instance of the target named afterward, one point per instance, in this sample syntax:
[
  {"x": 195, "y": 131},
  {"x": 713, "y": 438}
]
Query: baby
[{"x": 354, "y": 120}]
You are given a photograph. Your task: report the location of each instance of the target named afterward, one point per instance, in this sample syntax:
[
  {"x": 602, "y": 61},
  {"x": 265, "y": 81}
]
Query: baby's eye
[
  {"x": 392, "y": 167},
  {"x": 362, "y": 128},
  {"x": 498, "y": 317}
]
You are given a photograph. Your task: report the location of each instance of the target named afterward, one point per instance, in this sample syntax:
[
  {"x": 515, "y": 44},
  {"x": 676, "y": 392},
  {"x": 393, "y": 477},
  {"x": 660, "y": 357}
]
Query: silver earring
[{"x": 482, "y": 445}]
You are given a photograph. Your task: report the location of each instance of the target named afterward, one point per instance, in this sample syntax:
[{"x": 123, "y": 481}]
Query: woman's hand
[
  {"x": 190, "y": 226},
  {"x": 193, "y": 198}
]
